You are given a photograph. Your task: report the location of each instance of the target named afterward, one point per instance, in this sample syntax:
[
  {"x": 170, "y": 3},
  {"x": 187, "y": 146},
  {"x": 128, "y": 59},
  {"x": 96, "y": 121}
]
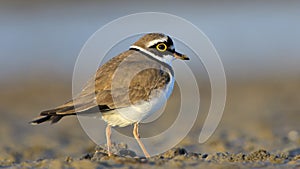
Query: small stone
[
  {"x": 294, "y": 152},
  {"x": 174, "y": 152},
  {"x": 180, "y": 151},
  {"x": 240, "y": 157},
  {"x": 192, "y": 155},
  {"x": 126, "y": 152},
  {"x": 260, "y": 155},
  {"x": 87, "y": 156},
  {"x": 97, "y": 156},
  {"x": 143, "y": 160},
  {"x": 69, "y": 159},
  {"x": 204, "y": 155},
  {"x": 179, "y": 158},
  {"x": 209, "y": 157}
]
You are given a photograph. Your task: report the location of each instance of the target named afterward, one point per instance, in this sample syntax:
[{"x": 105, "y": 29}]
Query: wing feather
[{"x": 99, "y": 94}]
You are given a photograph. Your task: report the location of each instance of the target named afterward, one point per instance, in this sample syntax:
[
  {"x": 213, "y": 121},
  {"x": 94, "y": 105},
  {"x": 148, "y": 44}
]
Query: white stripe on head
[
  {"x": 166, "y": 58},
  {"x": 156, "y": 41}
]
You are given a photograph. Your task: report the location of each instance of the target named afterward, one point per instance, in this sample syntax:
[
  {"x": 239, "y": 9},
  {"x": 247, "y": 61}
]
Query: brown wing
[
  {"x": 139, "y": 89},
  {"x": 124, "y": 80},
  {"x": 111, "y": 88}
]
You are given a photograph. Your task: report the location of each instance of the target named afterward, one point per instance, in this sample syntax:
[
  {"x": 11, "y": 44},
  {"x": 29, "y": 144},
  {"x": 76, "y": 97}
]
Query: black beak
[{"x": 180, "y": 56}]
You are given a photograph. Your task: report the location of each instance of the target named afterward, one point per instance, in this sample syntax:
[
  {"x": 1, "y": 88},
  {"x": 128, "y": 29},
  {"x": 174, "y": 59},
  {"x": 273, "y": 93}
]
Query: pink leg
[
  {"x": 108, "y": 140},
  {"x": 137, "y": 137}
]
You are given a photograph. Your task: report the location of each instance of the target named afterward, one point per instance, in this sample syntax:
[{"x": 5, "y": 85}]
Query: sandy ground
[{"x": 259, "y": 129}]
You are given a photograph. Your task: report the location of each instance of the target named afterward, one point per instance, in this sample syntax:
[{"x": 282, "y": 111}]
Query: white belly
[{"x": 138, "y": 112}]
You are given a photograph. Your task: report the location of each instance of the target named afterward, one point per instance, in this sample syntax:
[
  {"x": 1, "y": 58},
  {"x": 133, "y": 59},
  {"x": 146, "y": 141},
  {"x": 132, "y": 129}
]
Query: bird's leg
[
  {"x": 108, "y": 140},
  {"x": 137, "y": 137}
]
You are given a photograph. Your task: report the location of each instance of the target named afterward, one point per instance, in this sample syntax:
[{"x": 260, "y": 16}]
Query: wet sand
[{"x": 259, "y": 129}]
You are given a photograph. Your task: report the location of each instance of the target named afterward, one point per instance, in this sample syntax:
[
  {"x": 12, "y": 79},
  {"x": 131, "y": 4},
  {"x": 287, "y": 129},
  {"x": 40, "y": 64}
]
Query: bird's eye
[{"x": 161, "y": 47}]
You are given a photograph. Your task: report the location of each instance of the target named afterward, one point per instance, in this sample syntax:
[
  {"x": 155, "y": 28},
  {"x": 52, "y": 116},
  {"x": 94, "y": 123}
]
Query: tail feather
[
  {"x": 53, "y": 115},
  {"x": 40, "y": 120},
  {"x": 59, "y": 111},
  {"x": 55, "y": 119}
]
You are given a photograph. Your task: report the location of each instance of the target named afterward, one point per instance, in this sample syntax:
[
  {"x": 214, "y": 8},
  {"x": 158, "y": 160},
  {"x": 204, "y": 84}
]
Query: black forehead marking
[{"x": 169, "y": 43}]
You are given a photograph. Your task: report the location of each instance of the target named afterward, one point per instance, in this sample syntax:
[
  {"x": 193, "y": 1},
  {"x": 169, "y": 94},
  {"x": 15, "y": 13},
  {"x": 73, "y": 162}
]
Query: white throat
[{"x": 166, "y": 58}]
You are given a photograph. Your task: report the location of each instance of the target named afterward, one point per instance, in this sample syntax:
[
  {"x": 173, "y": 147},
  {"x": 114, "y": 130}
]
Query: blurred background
[{"x": 258, "y": 43}]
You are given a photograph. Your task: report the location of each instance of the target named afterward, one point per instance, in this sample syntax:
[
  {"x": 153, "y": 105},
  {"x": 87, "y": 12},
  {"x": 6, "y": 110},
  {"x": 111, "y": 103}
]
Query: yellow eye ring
[{"x": 161, "y": 47}]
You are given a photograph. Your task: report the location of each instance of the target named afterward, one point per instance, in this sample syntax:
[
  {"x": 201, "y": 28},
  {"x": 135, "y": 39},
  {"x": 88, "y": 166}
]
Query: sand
[{"x": 259, "y": 129}]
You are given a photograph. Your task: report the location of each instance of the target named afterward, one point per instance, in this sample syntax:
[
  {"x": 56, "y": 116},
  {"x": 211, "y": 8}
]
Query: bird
[{"x": 126, "y": 89}]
